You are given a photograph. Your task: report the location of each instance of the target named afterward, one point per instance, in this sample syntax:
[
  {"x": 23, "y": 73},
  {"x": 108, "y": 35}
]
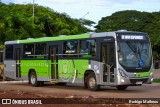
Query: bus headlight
[
  {"x": 122, "y": 73},
  {"x": 122, "y": 80}
]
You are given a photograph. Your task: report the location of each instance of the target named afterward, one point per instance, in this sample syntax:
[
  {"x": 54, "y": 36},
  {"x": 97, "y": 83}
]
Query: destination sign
[{"x": 132, "y": 37}]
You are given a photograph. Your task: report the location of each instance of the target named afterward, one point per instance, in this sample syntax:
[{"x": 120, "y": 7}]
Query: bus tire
[
  {"x": 121, "y": 87},
  {"x": 91, "y": 82},
  {"x": 33, "y": 79}
]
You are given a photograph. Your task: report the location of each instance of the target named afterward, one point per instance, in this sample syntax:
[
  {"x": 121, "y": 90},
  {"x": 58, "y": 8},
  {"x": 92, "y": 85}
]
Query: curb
[{"x": 12, "y": 82}]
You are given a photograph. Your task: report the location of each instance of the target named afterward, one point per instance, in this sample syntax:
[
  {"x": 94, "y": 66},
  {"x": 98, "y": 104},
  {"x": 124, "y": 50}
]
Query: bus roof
[
  {"x": 69, "y": 37},
  {"x": 47, "y": 39}
]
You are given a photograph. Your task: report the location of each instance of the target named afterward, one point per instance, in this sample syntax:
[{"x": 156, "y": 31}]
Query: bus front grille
[{"x": 143, "y": 80}]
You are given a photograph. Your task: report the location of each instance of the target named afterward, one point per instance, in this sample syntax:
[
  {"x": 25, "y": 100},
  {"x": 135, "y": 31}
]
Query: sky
[{"x": 93, "y": 9}]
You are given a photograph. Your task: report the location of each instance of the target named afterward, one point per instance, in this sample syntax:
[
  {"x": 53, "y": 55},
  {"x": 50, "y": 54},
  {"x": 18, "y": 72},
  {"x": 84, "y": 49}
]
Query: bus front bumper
[{"x": 134, "y": 81}]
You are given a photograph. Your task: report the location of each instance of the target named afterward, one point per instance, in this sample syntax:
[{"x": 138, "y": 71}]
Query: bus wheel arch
[
  {"x": 90, "y": 81},
  {"x": 31, "y": 70},
  {"x": 32, "y": 77},
  {"x": 87, "y": 72}
]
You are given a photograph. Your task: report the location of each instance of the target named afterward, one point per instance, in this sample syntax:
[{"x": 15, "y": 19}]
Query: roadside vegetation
[
  {"x": 156, "y": 80},
  {"x": 134, "y": 21},
  {"x": 17, "y": 22}
]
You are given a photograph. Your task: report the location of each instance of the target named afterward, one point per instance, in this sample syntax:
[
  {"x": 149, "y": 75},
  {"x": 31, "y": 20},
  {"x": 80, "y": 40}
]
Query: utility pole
[{"x": 33, "y": 11}]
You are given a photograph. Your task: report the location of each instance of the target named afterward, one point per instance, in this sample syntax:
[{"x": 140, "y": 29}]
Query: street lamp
[
  {"x": 85, "y": 15},
  {"x": 33, "y": 11}
]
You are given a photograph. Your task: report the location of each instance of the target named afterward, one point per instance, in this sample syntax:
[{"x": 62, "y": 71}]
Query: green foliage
[
  {"x": 130, "y": 20},
  {"x": 86, "y": 22},
  {"x": 17, "y": 22},
  {"x": 134, "y": 21},
  {"x": 156, "y": 80}
]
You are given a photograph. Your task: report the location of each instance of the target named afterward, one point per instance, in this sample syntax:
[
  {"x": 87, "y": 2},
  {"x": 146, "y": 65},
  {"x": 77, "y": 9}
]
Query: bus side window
[
  {"x": 70, "y": 49},
  {"x": 87, "y": 48},
  {"x": 40, "y": 50},
  {"x": 9, "y": 52},
  {"x": 28, "y": 51}
]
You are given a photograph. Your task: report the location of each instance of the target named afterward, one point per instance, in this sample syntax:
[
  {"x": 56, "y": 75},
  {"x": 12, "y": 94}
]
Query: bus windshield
[{"x": 134, "y": 54}]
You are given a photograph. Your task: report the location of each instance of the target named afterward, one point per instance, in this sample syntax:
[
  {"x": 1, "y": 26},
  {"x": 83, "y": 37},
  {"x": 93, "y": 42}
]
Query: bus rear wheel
[
  {"x": 121, "y": 87},
  {"x": 92, "y": 84},
  {"x": 33, "y": 79}
]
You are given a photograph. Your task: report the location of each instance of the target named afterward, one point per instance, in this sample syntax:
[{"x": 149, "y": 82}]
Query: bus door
[
  {"x": 17, "y": 54},
  {"x": 109, "y": 63},
  {"x": 53, "y": 57}
]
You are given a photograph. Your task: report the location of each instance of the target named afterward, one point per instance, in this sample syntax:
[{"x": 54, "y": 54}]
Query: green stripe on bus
[
  {"x": 46, "y": 39},
  {"x": 66, "y": 68},
  {"x": 143, "y": 74},
  {"x": 40, "y": 66}
]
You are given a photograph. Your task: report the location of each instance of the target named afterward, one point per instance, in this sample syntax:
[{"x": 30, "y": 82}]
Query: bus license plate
[{"x": 139, "y": 82}]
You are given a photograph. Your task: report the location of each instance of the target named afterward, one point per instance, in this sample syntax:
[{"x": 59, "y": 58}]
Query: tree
[
  {"x": 129, "y": 20},
  {"x": 134, "y": 21},
  {"x": 17, "y": 22}
]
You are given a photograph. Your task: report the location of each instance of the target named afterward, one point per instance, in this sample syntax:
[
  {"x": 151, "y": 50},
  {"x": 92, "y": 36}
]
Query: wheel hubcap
[
  {"x": 92, "y": 82},
  {"x": 33, "y": 79}
]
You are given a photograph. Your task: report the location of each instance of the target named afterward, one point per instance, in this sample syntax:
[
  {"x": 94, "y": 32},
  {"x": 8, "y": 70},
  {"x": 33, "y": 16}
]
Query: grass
[{"x": 156, "y": 80}]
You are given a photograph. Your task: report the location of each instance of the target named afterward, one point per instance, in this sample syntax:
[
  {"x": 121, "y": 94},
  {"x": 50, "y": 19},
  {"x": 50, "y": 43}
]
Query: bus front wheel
[
  {"x": 121, "y": 87},
  {"x": 92, "y": 84},
  {"x": 33, "y": 79}
]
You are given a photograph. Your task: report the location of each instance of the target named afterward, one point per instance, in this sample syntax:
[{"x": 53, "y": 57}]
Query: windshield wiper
[
  {"x": 133, "y": 48},
  {"x": 137, "y": 50}
]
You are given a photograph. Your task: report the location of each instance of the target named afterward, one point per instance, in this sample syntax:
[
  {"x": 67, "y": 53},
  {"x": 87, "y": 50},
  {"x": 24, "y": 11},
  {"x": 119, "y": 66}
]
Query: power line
[{"x": 108, "y": 6}]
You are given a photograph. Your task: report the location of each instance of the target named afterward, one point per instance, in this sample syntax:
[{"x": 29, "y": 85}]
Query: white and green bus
[{"x": 120, "y": 58}]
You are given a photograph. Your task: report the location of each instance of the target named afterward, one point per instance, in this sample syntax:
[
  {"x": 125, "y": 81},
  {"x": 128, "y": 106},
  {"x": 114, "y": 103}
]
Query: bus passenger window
[
  {"x": 28, "y": 51},
  {"x": 87, "y": 48},
  {"x": 70, "y": 49},
  {"x": 9, "y": 52},
  {"x": 40, "y": 50}
]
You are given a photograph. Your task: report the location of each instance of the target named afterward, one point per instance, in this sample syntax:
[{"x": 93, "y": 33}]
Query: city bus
[{"x": 118, "y": 59}]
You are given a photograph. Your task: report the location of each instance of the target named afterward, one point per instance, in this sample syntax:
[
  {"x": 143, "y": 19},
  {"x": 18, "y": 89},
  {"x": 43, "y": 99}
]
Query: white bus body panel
[{"x": 10, "y": 69}]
